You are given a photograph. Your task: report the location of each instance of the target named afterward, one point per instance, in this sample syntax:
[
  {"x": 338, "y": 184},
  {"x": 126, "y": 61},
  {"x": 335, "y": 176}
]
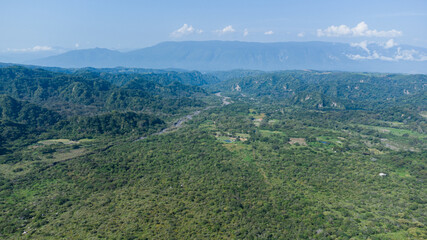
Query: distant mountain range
[{"x": 227, "y": 55}]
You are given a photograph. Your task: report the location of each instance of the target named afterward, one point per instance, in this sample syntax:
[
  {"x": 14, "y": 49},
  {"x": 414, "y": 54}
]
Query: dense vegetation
[
  {"x": 114, "y": 123},
  {"x": 333, "y": 90},
  {"x": 135, "y": 155},
  {"x": 88, "y": 93}
]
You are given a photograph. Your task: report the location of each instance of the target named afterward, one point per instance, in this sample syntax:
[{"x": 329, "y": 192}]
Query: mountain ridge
[{"x": 229, "y": 55}]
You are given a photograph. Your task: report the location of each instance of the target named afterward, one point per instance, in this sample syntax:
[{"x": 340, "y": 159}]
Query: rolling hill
[{"x": 105, "y": 154}]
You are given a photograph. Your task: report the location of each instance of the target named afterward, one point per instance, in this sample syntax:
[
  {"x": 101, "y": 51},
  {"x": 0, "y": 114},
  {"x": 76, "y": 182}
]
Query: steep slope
[
  {"x": 22, "y": 120},
  {"x": 331, "y": 90},
  {"x": 121, "y": 77},
  {"x": 26, "y": 113},
  {"x": 88, "y": 93}
]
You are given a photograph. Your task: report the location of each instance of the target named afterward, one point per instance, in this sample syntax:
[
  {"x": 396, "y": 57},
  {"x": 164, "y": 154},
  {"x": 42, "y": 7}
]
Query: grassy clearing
[
  {"x": 236, "y": 147},
  {"x": 273, "y": 121},
  {"x": 330, "y": 140},
  {"x": 324, "y": 130},
  {"x": 15, "y": 170},
  {"x": 56, "y": 141},
  {"x": 267, "y": 133},
  {"x": 24, "y": 167},
  {"x": 208, "y": 125},
  {"x": 392, "y": 124},
  {"x": 300, "y": 141},
  {"x": 44, "y": 143},
  {"x": 242, "y": 150},
  {"x": 225, "y": 139},
  {"x": 395, "y": 131},
  {"x": 242, "y": 135},
  {"x": 86, "y": 140},
  {"x": 375, "y": 151},
  {"x": 46, "y": 151},
  {"x": 50, "y": 142},
  {"x": 64, "y": 155},
  {"x": 322, "y": 142},
  {"x": 402, "y": 172},
  {"x": 252, "y": 111},
  {"x": 401, "y": 235},
  {"x": 400, "y": 139},
  {"x": 231, "y": 139},
  {"x": 257, "y": 117}
]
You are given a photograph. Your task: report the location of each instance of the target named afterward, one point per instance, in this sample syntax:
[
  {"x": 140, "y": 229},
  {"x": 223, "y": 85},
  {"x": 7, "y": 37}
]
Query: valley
[{"x": 151, "y": 157}]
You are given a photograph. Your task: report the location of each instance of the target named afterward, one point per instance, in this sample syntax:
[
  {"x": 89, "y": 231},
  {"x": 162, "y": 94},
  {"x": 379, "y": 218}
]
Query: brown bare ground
[{"x": 300, "y": 141}]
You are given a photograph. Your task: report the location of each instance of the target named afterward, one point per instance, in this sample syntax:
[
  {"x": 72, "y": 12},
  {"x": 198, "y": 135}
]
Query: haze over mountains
[{"x": 227, "y": 55}]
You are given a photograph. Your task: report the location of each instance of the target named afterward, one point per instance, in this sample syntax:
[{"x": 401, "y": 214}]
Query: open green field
[{"x": 395, "y": 131}]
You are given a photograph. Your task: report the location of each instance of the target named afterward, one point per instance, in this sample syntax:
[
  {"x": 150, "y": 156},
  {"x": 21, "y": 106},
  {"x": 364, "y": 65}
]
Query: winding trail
[
  {"x": 225, "y": 100},
  {"x": 180, "y": 122}
]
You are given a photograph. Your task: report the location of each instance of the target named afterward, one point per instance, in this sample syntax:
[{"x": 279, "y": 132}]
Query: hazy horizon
[{"x": 49, "y": 26}]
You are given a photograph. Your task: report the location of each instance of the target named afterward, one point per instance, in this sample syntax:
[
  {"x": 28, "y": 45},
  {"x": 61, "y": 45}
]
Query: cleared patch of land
[
  {"x": 394, "y": 131},
  {"x": 300, "y": 141}
]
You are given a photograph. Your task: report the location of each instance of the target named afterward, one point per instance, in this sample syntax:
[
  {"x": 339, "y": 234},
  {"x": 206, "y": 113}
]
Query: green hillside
[
  {"x": 152, "y": 157},
  {"x": 331, "y": 90},
  {"x": 80, "y": 93}
]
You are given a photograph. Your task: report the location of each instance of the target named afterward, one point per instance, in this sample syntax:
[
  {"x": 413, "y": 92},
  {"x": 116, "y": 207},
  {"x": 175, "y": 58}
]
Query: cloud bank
[
  {"x": 245, "y": 32},
  {"x": 393, "y": 52},
  {"x": 389, "y": 44},
  {"x": 400, "y": 55},
  {"x": 228, "y": 29},
  {"x": 360, "y": 30},
  {"x": 363, "y": 45},
  {"x": 33, "y": 49},
  {"x": 185, "y": 30}
]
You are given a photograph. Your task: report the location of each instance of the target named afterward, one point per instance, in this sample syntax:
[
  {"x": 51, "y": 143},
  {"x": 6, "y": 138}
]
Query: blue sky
[{"x": 41, "y": 25}]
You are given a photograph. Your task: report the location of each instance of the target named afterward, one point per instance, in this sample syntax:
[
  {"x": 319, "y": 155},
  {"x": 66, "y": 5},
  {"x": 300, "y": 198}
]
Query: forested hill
[
  {"x": 112, "y": 154},
  {"x": 22, "y": 119},
  {"x": 332, "y": 90},
  {"x": 120, "y": 78},
  {"x": 83, "y": 93},
  {"x": 25, "y": 113}
]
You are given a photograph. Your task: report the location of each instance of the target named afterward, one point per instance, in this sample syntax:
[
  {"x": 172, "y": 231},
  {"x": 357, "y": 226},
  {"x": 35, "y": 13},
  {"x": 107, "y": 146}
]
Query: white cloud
[
  {"x": 185, "y": 30},
  {"x": 228, "y": 29},
  {"x": 301, "y": 34},
  {"x": 363, "y": 45},
  {"x": 269, "y": 33},
  {"x": 33, "y": 49},
  {"x": 77, "y": 45},
  {"x": 404, "y": 55},
  {"x": 360, "y": 30},
  {"x": 389, "y": 44},
  {"x": 373, "y": 56},
  {"x": 245, "y": 32},
  {"x": 334, "y": 31}
]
